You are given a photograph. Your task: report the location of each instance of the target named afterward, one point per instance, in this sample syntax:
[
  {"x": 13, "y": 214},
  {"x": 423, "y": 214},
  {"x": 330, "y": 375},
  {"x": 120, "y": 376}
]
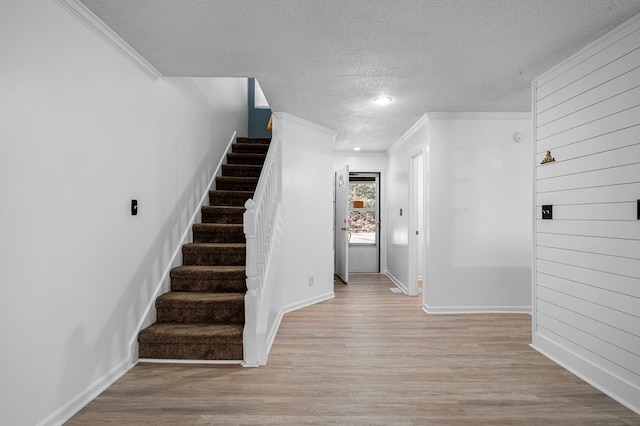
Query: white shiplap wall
[{"x": 587, "y": 259}]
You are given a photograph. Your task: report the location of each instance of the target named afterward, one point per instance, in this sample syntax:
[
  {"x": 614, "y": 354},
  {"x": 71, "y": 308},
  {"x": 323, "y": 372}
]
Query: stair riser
[
  {"x": 209, "y": 351},
  {"x": 266, "y": 141},
  {"x": 209, "y": 285},
  {"x": 231, "y": 185},
  {"x": 237, "y": 199},
  {"x": 232, "y": 257},
  {"x": 212, "y": 281},
  {"x": 249, "y": 148},
  {"x": 224, "y": 216},
  {"x": 222, "y": 313},
  {"x": 218, "y": 234},
  {"x": 252, "y": 159},
  {"x": 241, "y": 170}
]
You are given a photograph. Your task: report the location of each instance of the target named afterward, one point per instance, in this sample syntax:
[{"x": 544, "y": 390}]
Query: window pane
[
  {"x": 362, "y": 227},
  {"x": 363, "y": 191}
]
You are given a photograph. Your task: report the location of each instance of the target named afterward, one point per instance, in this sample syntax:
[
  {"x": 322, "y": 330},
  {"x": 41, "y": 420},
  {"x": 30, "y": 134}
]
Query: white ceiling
[{"x": 325, "y": 60}]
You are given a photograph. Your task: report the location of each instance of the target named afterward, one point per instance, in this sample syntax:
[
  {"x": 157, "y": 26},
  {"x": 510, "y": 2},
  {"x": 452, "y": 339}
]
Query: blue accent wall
[{"x": 258, "y": 117}]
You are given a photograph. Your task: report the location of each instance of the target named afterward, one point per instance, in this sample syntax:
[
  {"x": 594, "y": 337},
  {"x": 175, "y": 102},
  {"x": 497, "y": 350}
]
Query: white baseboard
[
  {"x": 189, "y": 361},
  {"x": 397, "y": 282},
  {"x": 290, "y": 308},
  {"x": 75, "y": 404},
  {"x": 617, "y": 388},
  {"x": 476, "y": 309}
]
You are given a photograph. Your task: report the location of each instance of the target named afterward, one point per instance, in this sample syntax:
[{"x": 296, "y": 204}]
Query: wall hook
[{"x": 548, "y": 158}]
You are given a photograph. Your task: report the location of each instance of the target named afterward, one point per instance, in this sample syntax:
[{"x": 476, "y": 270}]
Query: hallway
[{"x": 369, "y": 356}]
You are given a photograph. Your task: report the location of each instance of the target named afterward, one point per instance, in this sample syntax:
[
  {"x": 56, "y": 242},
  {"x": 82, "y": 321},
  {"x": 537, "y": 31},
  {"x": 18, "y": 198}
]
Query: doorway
[{"x": 364, "y": 222}]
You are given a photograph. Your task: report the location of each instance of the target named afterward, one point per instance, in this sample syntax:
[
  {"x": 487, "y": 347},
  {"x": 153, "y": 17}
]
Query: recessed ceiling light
[
  {"x": 356, "y": 148},
  {"x": 382, "y": 100}
]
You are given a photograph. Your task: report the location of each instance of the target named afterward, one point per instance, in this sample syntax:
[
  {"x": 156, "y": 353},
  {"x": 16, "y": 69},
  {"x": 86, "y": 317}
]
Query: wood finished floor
[{"x": 369, "y": 356}]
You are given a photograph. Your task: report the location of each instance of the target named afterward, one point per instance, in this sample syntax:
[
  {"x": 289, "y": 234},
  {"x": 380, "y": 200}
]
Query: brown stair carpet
[{"x": 202, "y": 317}]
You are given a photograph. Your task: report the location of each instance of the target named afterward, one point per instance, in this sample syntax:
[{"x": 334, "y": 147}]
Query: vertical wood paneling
[{"x": 587, "y": 258}]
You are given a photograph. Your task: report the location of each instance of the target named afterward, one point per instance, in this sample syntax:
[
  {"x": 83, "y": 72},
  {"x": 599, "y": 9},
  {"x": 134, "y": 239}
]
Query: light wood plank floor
[{"x": 368, "y": 357}]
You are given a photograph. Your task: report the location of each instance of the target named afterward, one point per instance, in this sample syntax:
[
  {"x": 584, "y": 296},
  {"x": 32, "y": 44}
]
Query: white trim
[
  {"x": 413, "y": 221},
  {"x": 290, "y": 308},
  {"x": 82, "y": 398},
  {"x": 102, "y": 30},
  {"x": 479, "y": 115},
  {"x": 617, "y": 388},
  {"x": 189, "y": 361},
  {"x": 534, "y": 196},
  {"x": 417, "y": 126},
  {"x": 476, "y": 309},
  {"x": 397, "y": 282},
  {"x": 306, "y": 123},
  {"x": 177, "y": 251}
]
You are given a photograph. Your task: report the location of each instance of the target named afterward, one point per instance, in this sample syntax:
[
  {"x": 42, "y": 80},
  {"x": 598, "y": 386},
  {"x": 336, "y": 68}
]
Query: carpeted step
[
  {"x": 200, "y": 307},
  {"x": 233, "y": 183},
  {"x": 241, "y": 170},
  {"x": 191, "y": 341},
  {"x": 229, "y": 198},
  {"x": 250, "y": 148},
  {"x": 218, "y": 233},
  {"x": 224, "y": 279},
  {"x": 241, "y": 158},
  {"x": 222, "y": 214},
  {"x": 231, "y": 254},
  {"x": 253, "y": 140},
  {"x": 202, "y": 317}
]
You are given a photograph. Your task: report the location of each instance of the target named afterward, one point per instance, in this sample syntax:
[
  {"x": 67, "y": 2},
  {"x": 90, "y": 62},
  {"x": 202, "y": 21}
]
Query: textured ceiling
[{"x": 325, "y": 60}]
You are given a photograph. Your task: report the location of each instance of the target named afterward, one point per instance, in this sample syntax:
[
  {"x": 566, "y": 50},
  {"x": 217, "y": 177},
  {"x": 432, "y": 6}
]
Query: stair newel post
[{"x": 251, "y": 300}]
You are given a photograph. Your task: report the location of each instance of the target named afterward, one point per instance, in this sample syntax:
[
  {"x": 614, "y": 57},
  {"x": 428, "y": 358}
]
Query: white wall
[
  {"x": 307, "y": 206},
  {"x": 587, "y": 270},
  {"x": 361, "y": 162},
  {"x": 82, "y": 132},
  {"x": 479, "y": 213},
  {"x": 397, "y": 181}
]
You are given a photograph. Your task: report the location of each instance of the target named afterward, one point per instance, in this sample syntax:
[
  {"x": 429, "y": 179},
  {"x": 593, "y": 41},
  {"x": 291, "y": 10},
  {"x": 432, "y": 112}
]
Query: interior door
[{"x": 341, "y": 223}]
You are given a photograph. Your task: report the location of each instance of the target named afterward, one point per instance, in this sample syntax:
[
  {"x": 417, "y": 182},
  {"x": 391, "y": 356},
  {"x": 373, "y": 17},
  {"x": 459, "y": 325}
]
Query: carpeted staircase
[{"x": 202, "y": 317}]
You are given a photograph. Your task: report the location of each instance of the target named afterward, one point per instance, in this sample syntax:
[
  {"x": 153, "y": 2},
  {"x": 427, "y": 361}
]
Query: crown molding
[
  {"x": 417, "y": 126},
  {"x": 306, "y": 123},
  {"x": 480, "y": 115},
  {"x": 102, "y": 30}
]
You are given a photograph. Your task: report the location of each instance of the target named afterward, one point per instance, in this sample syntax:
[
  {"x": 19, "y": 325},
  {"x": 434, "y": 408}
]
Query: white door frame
[
  {"x": 414, "y": 238},
  {"x": 354, "y": 248},
  {"x": 341, "y": 215}
]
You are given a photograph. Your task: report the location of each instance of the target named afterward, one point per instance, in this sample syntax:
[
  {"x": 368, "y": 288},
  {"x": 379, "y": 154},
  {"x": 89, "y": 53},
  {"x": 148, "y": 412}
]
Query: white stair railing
[{"x": 262, "y": 231}]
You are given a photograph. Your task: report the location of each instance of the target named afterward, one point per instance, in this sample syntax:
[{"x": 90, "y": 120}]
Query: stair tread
[
  {"x": 188, "y": 269},
  {"x": 215, "y": 245},
  {"x": 218, "y": 225},
  {"x": 247, "y": 179},
  {"x": 228, "y": 191},
  {"x": 253, "y": 140},
  {"x": 198, "y": 297},
  {"x": 247, "y": 154},
  {"x": 245, "y": 166},
  {"x": 229, "y": 208},
  {"x": 170, "y": 332}
]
